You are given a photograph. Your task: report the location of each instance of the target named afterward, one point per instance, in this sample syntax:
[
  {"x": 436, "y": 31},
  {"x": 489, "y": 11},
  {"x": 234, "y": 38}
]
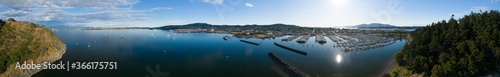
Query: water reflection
[{"x": 338, "y": 58}]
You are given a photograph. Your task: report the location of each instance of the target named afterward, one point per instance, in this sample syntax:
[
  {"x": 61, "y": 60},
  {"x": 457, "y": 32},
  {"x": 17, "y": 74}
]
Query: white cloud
[
  {"x": 248, "y": 5},
  {"x": 98, "y": 4},
  {"x": 156, "y": 9},
  {"x": 88, "y": 4},
  {"x": 213, "y": 1},
  {"x": 479, "y": 8},
  {"x": 56, "y": 11},
  {"x": 14, "y": 13}
]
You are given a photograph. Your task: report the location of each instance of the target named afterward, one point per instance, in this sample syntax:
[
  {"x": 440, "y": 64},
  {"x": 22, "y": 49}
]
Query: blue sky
[{"x": 312, "y": 13}]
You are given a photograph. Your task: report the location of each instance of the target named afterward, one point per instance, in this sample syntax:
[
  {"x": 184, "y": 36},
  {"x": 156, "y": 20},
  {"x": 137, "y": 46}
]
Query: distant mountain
[
  {"x": 375, "y": 25},
  {"x": 384, "y": 26},
  {"x": 282, "y": 25},
  {"x": 198, "y": 24},
  {"x": 206, "y": 25}
]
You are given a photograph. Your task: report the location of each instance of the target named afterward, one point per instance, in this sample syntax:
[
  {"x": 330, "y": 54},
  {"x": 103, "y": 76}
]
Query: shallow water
[{"x": 209, "y": 55}]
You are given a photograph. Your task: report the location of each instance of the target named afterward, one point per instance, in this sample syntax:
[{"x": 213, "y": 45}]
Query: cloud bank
[
  {"x": 89, "y": 12},
  {"x": 213, "y": 1}
]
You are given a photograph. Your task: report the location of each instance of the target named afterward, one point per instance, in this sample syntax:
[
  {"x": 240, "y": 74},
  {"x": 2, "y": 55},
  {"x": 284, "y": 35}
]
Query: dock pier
[
  {"x": 320, "y": 39},
  {"x": 290, "y": 38},
  {"x": 291, "y": 49},
  {"x": 303, "y": 39},
  {"x": 250, "y": 42},
  {"x": 290, "y": 70}
]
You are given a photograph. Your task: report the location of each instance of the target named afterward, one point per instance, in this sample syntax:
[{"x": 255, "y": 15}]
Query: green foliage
[
  {"x": 396, "y": 72},
  {"x": 21, "y": 41},
  {"x": 465, "y": 47},
  {"x": 3, "y": 63}
]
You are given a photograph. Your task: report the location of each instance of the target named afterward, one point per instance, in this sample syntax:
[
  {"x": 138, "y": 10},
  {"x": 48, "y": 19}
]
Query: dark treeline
[
  {"x": 210, "y": 26},
  {"x": 467, "y": 47}
]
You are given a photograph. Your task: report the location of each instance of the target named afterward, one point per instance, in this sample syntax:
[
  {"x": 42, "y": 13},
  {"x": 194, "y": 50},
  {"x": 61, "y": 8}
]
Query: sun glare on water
[{"x": 338, "y": 58}]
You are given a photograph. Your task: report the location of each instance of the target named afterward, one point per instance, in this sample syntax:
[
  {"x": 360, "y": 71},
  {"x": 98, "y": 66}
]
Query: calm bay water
[{"x": 208, "y": 55}]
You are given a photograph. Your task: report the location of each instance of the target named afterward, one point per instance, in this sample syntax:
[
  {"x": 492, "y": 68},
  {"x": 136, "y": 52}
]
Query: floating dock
[
  {"x": 334, "y": 38},
  {"x": 320, "y": 39},
  {"x": 303, "y": 39},
  {"x": 250, "y": 42},
  {"x": 291, "y": 49},
  {"x": 290, "y": 38},
  {"x": 289, "y": 69}
]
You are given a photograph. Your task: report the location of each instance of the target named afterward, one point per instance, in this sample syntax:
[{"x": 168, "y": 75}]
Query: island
[
  {"x": 26, "y": 41},
  {"x": 384, "y": 26}
]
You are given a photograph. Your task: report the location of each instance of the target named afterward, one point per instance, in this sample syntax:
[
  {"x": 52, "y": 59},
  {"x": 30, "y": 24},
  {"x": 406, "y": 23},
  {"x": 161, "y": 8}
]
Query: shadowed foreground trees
[{"x": 465, "y": 47}]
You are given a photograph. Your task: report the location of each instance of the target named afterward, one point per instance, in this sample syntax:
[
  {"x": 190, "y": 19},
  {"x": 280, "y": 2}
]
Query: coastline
[{"x": 389, "y": 68}]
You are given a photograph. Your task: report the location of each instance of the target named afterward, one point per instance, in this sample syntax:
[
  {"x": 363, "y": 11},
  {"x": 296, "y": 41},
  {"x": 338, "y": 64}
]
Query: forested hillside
[{"x": 463, "y": 47}]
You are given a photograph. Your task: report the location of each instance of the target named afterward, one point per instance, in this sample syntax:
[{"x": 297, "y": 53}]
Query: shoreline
[{"x": 389, "y": 68}]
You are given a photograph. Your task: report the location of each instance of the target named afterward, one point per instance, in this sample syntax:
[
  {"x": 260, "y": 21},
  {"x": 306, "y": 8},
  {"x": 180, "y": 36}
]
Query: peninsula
[{"x": 26, "y": 41}]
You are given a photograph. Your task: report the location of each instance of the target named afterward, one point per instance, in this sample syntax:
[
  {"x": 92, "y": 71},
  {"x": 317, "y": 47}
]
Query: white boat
[{"x": 226, "y": 37}]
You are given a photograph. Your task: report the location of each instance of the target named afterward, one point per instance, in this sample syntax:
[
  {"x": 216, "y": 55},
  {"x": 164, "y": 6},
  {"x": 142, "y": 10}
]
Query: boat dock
[
  {"x": 291, "y": 49},
  {"x": 303, "y": 39},
  {"x": 334, "y": 38},
  {"x": 290, "y": 38},
  {"x": 359, "y": 42},
  {"x": 320, "y": 38},
  {"x": 250, "y": 42},
  {"x": 290, "y": 70}
]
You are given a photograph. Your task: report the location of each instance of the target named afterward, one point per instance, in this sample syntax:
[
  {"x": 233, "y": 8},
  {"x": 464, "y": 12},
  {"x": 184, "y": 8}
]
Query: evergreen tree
[{"x": 465, "y": 47}]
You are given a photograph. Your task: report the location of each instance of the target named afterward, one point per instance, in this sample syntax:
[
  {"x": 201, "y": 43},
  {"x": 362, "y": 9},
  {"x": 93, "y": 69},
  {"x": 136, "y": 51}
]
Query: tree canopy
[{"x": 465, "y": 47}]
